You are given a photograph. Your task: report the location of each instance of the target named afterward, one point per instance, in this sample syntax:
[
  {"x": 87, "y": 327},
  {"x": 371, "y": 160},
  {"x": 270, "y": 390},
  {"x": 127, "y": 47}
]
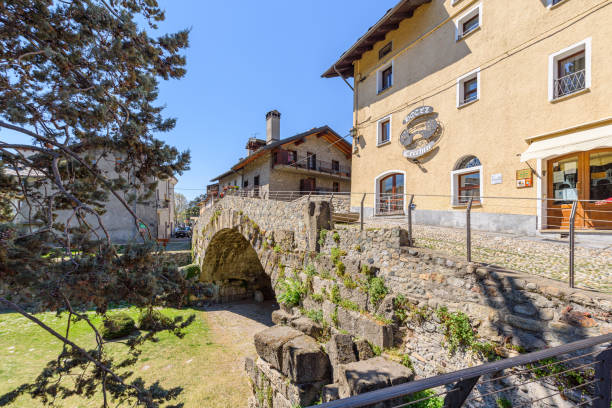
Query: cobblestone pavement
[{"x": 533, "y": 255}]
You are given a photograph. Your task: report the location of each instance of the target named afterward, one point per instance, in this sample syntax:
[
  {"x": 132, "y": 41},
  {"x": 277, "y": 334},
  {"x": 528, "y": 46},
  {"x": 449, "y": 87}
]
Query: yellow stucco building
[{"x": 503, "y": 102}]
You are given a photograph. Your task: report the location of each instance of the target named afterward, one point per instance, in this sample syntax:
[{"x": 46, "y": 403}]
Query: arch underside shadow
[{"x": 232, "y": 264}]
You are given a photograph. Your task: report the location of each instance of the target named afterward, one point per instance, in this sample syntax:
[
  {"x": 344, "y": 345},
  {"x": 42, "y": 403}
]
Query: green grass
[{"x": 25, "y": 349}]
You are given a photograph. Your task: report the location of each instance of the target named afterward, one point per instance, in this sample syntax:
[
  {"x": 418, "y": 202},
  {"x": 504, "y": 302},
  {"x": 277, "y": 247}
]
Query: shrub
[
  {"x": 316, "y": 315},
  {"x": 366, "y": 270},
  {"x": 334, "y": 317},
  {"x": 377, "y": 290},
  {"x": 457, "y": 329},
  {"x": 317, "y": 297},
  {"x": 116, "y": 326},
  {"x": 336, "y": 253},
  {"x": 310, "y": 270},
  {"x": 375, "y": 349},
  {"x": 151, "y": 319},
  {"x": 432, "y": 402},
  {"x": 277, "y": 249},
  {"x": 406, "y": 361},
  {"x": 336, "y": 237},
  {"x": 322, "y": 237},
  {"x": 291, "y": 292},
  {"x": 349, "y": 283},
  {"x": 340, "y": 269},
  {"x": 358, "y": 248},
  {"x": 503, "y": 403},
  {"x": 347, "y": 304},
  {"x": 334, "y": 296},
  {"x": 191, "y": 271}
]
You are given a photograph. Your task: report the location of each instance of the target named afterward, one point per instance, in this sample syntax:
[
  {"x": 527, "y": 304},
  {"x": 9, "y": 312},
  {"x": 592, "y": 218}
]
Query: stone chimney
[{"x": 272, "y": 126}]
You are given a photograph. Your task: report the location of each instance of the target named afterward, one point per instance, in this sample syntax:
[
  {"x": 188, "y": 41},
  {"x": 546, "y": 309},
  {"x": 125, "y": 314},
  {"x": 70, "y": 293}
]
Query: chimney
[{"x": 272, "y": 126}]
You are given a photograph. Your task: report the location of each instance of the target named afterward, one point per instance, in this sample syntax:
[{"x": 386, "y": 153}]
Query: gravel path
[
  {"x": 233, "y": 326},
  {"x": 533, "y": 255}
]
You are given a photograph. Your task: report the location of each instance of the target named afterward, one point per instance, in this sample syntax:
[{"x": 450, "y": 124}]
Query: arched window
[
  {"x": 466, "y": 180},
  {"x": 390, "y": 199}
]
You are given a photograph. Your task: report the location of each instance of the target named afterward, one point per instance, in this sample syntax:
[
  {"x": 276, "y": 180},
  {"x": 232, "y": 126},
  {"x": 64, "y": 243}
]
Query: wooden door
[{"x": 583, "y": 176}]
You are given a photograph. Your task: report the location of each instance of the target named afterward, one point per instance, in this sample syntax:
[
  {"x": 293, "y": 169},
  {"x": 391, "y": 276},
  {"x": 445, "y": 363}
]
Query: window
[
  {"x": 336, "y": 187},
  {"x": 256, "y": 181},
  {"x": 384, "y": 77},
  {"x": 466, "y": 181},
  {"x": 245, "y": 183},
  {"x": 468, "y": 22},
  {"x": 335, "y": 166},
  {"x": 569, "y": 70},
  {"x": 468, "y": 88},
  {"x": 385, "y": 50},
  {"x": 390, "y": 197},
  {"x": 311, "y": 160},
  {"x": 552, "y": 3},
  {"x": 384, "y": 131}
]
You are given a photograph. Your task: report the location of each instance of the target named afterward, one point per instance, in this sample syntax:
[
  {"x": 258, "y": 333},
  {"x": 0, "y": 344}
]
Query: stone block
[
  {"x": 525, "y": 309},
  {"x": 307, "y": 326},
  {"x": 269, "y": 343},
  {"x": 286, "y": 239},
  {"x": 281, "y": 317},
  {"x": 363, "y": 350},
  {"x": 355, "y": 295},
  {"x": 330, "y": 392},
  {"x": 340, "y": 349},
  {"x": 369, "y": 375},
  {"x": 297, "y": 394},
  {"x": 303, "y": 361},
  {"x": 524, "y": 323},
  {"x": 361, "y": 326}
]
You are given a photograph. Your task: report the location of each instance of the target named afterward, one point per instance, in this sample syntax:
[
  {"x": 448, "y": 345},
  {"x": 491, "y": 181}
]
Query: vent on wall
[{"x": 385, "y": 50}]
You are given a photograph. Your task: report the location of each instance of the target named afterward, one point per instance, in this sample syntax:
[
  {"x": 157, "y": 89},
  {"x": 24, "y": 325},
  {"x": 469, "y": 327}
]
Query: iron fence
[
  {"x": 588, "y": 362},
  {"x": 570, "y": 83}
]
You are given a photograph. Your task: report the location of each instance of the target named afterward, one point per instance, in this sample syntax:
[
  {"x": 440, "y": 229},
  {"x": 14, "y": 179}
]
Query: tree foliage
[{"x": 79, "y": 81}]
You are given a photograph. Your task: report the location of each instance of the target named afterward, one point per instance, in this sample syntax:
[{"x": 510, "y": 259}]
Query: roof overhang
[{"x": 389, "y": 22}]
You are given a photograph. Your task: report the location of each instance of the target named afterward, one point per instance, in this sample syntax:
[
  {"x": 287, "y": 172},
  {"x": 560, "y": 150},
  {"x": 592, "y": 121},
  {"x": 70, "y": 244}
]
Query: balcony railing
[
  {"x": 287, "y": 158},
  {"x": 569, "y": 84},
  {"x": 390, "y": 204}
]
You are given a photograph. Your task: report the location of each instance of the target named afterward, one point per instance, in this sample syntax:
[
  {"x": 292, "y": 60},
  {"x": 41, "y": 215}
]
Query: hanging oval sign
[{"x": 420, "y": 135}]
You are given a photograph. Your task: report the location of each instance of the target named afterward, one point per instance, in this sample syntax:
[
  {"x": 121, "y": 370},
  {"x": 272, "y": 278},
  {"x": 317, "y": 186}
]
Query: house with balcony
[{"x": 318, "y": 160}]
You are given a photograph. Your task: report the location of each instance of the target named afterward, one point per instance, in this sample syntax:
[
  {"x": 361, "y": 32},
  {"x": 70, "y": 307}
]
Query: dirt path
[{"x": 232, "y": 327}]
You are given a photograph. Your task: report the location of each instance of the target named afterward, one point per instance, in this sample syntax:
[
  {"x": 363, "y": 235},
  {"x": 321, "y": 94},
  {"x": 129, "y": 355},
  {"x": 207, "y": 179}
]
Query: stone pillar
[{"x": 317, "y": 216}]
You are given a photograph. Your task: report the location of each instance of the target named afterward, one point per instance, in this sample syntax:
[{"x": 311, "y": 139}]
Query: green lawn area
[{"x": 193, "y": 362}]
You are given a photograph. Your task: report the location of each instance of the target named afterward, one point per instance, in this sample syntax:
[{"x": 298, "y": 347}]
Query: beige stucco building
[
  {"x": 157, "y": 212},
  {"x": 318, "y": 160},
  {"x": 504, "y": 102}
]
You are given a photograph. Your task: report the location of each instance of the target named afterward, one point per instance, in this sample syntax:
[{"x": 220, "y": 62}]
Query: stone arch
[{"x": 233, "y": 265}]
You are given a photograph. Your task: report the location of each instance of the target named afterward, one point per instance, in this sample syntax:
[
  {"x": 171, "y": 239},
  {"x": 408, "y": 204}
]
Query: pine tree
[{"x": 79, "y": 80}]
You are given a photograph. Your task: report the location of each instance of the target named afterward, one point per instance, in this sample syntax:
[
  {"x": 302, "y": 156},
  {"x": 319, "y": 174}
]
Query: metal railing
[
  {"x": 590, "y": 362},
  {"x": 287, "y": 158},
  {"x": 570, "y": 83}
]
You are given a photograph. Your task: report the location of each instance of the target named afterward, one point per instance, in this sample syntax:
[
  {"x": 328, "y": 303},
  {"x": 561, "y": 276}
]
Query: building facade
[
  {"x": 318, "y": 160},
  {"x": 157, "y": 212},
  {"x": 505, "y": 103}
]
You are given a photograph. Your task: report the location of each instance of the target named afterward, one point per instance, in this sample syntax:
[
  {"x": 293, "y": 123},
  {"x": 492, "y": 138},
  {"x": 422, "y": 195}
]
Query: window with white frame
[
  {"x": 569, "y": 70},
  {"x": 384, "y": 77},
  {"x": 468, "y": 88},
  {"x": 383, "y": 131},
  {"x": 469, "y": 22},
  {"x": 466, "y": 181}
]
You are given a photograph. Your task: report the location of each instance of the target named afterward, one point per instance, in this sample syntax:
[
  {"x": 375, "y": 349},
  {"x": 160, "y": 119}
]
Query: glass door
[
  {"x": 564, "y": 178},
  {"x": 391, "y": 195},
  {"x": 599, "y": 207}
]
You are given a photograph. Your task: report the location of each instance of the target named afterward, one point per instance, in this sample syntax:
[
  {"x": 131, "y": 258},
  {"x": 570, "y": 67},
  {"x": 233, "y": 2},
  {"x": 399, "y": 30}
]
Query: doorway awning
[{"x": 580, "y": 141}]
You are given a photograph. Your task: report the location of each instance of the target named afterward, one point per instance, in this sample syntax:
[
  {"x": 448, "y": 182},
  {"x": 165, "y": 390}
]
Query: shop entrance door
[{"x": 583, "y": 176}]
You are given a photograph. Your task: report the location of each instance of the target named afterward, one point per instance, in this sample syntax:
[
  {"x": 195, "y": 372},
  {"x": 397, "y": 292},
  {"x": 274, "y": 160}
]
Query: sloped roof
[
  {"x": 340, "y": 144},
  {"x": 389, "y": 22}
]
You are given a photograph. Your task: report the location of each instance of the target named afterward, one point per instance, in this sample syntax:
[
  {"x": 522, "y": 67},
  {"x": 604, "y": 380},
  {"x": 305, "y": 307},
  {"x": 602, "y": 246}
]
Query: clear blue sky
[
  {"x": 249, "y": 57},
  {"x": 246, "y": 58}
]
